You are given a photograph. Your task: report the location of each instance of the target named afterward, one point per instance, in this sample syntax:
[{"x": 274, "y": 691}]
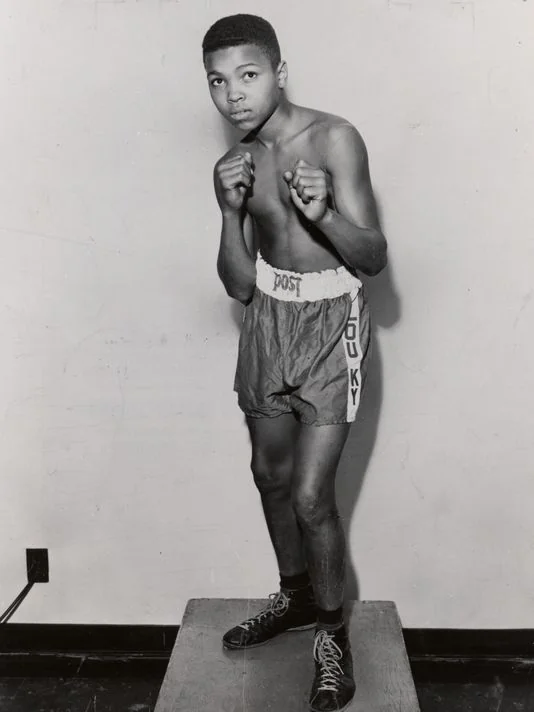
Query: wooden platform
[{"x": 276, "y": 677}]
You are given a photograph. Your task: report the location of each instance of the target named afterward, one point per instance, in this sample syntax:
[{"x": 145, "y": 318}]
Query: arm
[
  {"x": 235, "y": 263},
  {"x": 352, "y": 226}
]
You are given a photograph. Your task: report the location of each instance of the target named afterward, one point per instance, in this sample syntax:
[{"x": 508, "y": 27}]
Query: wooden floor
[
  {"x": 46, "y": 694},
  {"x": 440, "y": 688},
  {"x": 121, "y": 668}
]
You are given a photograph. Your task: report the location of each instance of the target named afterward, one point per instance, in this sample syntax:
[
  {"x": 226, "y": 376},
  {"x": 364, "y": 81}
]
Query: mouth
[{"x": 240, "y": 115}]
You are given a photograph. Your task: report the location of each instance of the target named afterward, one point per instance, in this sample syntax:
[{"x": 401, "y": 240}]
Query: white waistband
[{"x": 304, "y": 286}]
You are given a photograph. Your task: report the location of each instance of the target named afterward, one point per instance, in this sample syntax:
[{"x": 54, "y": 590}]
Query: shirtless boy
[{"x": 299, "y": 223}]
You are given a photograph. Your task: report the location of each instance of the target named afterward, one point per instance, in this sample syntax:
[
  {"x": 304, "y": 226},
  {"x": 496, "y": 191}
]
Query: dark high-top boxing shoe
[
  {"x": 286, "y": 611},
  {"x": 333, "y": 687}
]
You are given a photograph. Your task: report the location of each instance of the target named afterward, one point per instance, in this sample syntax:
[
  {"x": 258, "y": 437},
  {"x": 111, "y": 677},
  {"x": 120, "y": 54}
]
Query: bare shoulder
[
  {"x": 335, "y": 134},
  {"x": 342, "y": 134}
]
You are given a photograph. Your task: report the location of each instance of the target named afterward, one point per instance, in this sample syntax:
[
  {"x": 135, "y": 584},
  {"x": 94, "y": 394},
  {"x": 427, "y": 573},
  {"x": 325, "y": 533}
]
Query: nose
[{"x": 234, "y": 94}]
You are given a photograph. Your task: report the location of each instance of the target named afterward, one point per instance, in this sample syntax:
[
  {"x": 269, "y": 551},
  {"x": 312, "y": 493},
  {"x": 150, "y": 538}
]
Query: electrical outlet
[{"x": 37, "y": 565}]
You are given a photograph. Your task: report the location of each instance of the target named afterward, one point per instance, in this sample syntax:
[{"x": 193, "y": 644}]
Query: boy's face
[{"x": 243, "y": 84}]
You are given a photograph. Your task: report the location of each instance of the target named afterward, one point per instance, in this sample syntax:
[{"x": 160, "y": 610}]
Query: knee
[
  {"x": 271, "y": 477},
  {"x": 312, "y": 508}
]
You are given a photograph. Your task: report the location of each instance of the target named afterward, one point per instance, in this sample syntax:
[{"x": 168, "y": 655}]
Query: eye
[
  {"x": 214, "y": 82},
  {"x": 251, "y": 75}
]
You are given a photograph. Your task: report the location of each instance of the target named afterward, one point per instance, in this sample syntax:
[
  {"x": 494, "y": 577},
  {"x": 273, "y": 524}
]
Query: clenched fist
[
  {"x": 233, "y": 178},
  {"x": 308, "y": 189}
]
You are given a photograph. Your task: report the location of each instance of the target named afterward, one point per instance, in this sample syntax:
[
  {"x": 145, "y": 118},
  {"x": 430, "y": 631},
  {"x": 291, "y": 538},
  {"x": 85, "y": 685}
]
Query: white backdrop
[{"x": 122, "y": 447}]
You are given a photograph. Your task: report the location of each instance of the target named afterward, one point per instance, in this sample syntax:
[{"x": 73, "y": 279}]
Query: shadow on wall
[{"x": 385, "y": 312}]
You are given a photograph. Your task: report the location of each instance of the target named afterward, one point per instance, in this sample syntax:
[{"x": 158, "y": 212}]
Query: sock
[
  {"x": 330, "y": 620},
  {"x": 295, "y": 583}
]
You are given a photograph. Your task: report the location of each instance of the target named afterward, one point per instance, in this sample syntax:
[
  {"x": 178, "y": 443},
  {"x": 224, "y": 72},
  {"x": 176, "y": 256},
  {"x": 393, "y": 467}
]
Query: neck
[{"x": 279, "y": 124}]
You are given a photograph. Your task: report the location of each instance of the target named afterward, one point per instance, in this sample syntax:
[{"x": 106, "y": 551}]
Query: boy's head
[
  {"x": 242, "y": 29},
  {"x": 244, "y": 68}
]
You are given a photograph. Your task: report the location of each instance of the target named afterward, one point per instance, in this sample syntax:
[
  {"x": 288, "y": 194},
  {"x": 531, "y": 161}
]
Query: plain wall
[{"x": 122, "y": 448}]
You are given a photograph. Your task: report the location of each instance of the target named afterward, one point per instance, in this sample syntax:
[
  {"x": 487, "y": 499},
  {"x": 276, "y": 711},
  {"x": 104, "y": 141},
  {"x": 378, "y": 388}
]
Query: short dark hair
[{"x": 242, "y": 29}]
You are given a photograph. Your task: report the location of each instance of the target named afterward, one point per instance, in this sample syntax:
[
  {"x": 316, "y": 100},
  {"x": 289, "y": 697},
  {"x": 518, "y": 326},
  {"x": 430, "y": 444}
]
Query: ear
[{"x": 281, "y": 74}]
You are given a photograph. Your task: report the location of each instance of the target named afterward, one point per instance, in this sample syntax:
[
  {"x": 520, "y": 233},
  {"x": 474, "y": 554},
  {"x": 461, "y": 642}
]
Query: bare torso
[{"x": 285, "y": 238}]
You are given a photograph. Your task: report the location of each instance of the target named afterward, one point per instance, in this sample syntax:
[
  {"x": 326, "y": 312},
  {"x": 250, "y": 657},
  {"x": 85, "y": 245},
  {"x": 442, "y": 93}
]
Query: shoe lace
[
  {"x": 328, "y": 654},
  {"x": 277, "y": 606}
]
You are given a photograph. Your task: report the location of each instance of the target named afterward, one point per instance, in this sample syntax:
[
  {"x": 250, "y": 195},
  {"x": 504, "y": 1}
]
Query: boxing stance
[{"x": 299, "y": 224}]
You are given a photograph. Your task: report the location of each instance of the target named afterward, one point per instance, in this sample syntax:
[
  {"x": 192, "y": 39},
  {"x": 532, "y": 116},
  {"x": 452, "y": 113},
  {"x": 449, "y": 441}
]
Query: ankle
[
  {"x": 330, "y": 620},
  {"x": 297, "y": 582}
]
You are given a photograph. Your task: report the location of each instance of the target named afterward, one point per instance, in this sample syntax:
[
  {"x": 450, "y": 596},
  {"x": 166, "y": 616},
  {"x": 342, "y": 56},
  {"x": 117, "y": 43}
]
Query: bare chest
[{"x": 270, "y": 196}]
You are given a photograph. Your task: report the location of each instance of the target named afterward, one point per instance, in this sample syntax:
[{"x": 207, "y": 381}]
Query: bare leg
[
  {"x": 317, "y": 456},
  {"x": 273, "y": 447},
  {"x": 294, "y": 469}
]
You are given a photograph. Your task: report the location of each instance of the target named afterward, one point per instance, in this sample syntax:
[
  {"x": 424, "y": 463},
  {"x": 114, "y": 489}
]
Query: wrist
[
  {"x": 325, "y": 219},
  {"x": 231, "y": 213}
]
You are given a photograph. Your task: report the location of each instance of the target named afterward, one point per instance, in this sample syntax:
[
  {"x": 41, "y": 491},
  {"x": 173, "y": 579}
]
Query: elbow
[
  {"x": 240, "y": 294},
  {"x": 240, "y": 290},
  {"x": 380, "y": 259},
  {"x": 378, "y": 266}
]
